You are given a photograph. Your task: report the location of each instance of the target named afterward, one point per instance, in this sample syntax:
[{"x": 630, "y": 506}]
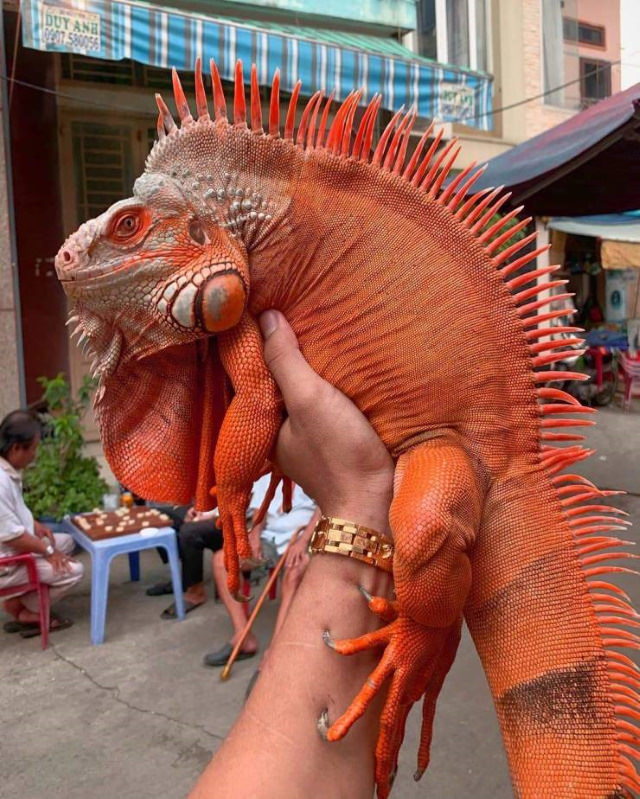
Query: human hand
[
  {"x": 203, "y": 515},
  {"x": 297, "y": 554},
  {"x": 42, "y": 531},
  {"x": 255, "y": 542},
  {"x": 326, "y": 444},
  {"x": 60, "y": 562}
]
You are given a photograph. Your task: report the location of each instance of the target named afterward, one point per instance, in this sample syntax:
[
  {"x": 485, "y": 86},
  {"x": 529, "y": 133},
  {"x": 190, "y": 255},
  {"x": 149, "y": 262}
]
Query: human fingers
[
  {"x": 295, "y": 378},
  {"x": 294, "y": 558}
]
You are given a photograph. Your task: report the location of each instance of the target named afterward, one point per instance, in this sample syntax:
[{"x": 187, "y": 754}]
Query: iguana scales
[{"x": 397, "y": 288}]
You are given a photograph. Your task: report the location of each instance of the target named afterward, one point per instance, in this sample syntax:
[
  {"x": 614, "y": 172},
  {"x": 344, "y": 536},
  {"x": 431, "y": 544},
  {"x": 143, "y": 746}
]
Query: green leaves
[
  {"x": 63, "y": 480},
  {"x": 517, "y": 236}
]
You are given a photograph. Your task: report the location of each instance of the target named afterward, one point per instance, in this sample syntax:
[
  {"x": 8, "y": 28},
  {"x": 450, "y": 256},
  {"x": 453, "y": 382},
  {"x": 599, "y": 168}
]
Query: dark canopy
[{"x": 589, "y": 164}]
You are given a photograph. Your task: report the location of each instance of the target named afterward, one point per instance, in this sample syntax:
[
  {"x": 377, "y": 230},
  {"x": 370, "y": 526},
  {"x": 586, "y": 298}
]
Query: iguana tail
[{"x": 549, "y": 628}]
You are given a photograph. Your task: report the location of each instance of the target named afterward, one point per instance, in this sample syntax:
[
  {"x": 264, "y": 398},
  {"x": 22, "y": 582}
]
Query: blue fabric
[{"x": 321, "y": 59}]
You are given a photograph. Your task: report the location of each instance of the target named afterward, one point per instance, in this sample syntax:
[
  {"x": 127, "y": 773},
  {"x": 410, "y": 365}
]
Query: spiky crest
[{"x": 428, "y": 174}]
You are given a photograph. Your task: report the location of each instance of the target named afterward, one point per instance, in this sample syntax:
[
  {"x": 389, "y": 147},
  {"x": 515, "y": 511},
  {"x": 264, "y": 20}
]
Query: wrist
[
  {"x": 47, "y": 548},
  {"x": 341, "y": 577},
  {"x": 368, "y": 506}
]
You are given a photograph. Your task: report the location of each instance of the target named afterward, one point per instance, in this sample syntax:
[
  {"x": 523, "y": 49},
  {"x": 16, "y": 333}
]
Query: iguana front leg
[
  {"x": 246, "y": 437},
  {"x": 434, "y": 518}
]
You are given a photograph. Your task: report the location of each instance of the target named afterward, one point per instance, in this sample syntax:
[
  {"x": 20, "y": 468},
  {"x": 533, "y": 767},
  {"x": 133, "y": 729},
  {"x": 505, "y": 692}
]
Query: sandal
[
  {"x": 55, "y": 624},
  {"x": 221, "y": 656},
  {"x": 171, "y": 613},
  {"x": 160, "y": 589},
  {"x": 17, "y": 626}
]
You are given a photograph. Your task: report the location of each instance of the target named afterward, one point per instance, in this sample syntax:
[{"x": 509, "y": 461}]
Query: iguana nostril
[{"x": 66, "y": 256}]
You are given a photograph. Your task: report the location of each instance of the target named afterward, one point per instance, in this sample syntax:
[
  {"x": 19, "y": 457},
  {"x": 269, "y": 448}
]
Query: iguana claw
[
  {"x": 414, "y": 662},
  {"x": 322, "y": 724},
  {"x": 326, "y": 637}
]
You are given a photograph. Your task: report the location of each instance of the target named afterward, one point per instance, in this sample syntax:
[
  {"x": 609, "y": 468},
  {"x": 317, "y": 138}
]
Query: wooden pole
[{"x": 226, "y": 671}]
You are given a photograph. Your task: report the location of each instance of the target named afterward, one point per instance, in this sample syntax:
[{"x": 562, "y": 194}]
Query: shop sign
[
  {"x": 77, "y": 31},
  {"x": 456, "y": 101}
]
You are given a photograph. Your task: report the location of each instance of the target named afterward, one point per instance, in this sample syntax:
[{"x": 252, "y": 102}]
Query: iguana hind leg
[{"x": 434, "y": 518}]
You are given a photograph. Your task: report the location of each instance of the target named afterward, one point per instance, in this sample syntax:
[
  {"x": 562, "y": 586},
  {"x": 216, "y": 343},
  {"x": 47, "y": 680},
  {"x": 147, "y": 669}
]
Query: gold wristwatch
[{"x": 340, "y": 537}]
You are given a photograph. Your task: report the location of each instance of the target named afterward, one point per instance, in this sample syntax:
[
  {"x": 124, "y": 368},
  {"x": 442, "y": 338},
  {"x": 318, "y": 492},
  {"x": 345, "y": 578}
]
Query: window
[
  {"x": 595, "y": 81},
  {"x": 458, "y": 32},
  {"x": 102, "y": 161},
  {"x": 583, "y": 33},
  {"x": 119, "y": 73},
  {"x": 455, "y": 32}
]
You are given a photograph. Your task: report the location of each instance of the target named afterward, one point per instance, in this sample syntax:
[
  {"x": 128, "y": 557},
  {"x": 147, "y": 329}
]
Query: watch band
[{"x": 340, "y": 537}]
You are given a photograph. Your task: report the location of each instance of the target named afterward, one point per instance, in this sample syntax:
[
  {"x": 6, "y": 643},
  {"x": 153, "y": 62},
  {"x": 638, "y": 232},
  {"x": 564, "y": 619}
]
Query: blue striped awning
[{"x": 322, "y": 59}]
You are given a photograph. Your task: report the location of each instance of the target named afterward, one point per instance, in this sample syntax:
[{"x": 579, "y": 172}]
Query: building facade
[{"x": 81, "y": 117}]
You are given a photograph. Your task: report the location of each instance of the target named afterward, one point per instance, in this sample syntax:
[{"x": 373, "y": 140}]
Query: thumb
[{"x": 294, "y": 376}]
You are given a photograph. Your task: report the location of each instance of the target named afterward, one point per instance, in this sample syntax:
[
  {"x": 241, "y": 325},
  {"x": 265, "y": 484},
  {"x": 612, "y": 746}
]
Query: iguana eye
[{"x": 127, "y": 225}]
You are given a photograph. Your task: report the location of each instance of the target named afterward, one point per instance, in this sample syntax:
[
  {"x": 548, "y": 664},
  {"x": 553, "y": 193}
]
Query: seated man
[
  {"x": 20, "y": 533},
  {"x": 276, "y": 528},
  {"x": 196, "y": 533}
]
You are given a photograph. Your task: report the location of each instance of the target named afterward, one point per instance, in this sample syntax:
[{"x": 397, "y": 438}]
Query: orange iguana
[{"x": 397, "y": 288}]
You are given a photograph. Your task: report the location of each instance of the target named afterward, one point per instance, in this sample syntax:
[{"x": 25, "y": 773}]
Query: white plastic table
[{"x": 104, "y": 550}]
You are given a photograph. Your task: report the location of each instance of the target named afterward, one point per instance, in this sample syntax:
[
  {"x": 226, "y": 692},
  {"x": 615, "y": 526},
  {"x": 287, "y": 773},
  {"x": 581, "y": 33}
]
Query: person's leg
[
  {"x": 64, "y": 543},
  {"x": 60, "y": 583},
  {"x": 25, "y": 608},
  {"x": 14, "y": 605},
  {"x": 193, "y": 539},
  {"x": 236, "y": 614},
  {"x": 191, "y": 542}
]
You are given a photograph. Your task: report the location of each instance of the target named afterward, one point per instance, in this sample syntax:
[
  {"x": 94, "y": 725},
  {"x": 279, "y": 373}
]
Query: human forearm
[
  {"x": 27, "y": 543},
  {"x": 274, "y": 750}
]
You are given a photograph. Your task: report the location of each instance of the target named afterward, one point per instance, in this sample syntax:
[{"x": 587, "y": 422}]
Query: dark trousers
[{"x": 193, "y": 539}]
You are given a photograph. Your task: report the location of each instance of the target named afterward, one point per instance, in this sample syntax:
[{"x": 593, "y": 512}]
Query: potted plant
[{"x": 62, "y": 479}]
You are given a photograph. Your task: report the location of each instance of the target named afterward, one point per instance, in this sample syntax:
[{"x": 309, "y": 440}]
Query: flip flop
[
  {"x": 160, "y": 589},
  {"x": 55, "y": 624},
  {"x": 16, "y": 626},
  {"x": 171, "y": 613},
  {"x": 221, "y": 656}
]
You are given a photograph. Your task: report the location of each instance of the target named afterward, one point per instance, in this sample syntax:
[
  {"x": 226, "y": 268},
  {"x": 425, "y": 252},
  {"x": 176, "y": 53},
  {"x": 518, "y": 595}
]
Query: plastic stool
[
  {"x": 102, "y": 553},
  {"x": 630, "y": 368}
]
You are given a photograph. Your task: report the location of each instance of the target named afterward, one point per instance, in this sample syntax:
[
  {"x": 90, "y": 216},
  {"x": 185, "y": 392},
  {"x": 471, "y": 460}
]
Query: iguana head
[
  {"x": 149, "y": 273},
  {"x": 166, "y": 269}
]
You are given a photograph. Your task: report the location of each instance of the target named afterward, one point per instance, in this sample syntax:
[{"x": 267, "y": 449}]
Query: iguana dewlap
[{"x": 401, "y": 296}]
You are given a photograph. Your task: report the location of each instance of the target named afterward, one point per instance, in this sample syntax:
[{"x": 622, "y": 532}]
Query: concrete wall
[
  {"x": 10, "y": 347},
  {"x": 38, "y": 219},
  {"x": 9, "y": 344}
]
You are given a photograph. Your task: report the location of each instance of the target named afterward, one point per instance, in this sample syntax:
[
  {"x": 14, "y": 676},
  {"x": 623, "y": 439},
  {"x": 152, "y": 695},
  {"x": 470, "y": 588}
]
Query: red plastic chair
[
  {"x": 34, "y": 584},
  {"x": 630, "y": 369}
]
